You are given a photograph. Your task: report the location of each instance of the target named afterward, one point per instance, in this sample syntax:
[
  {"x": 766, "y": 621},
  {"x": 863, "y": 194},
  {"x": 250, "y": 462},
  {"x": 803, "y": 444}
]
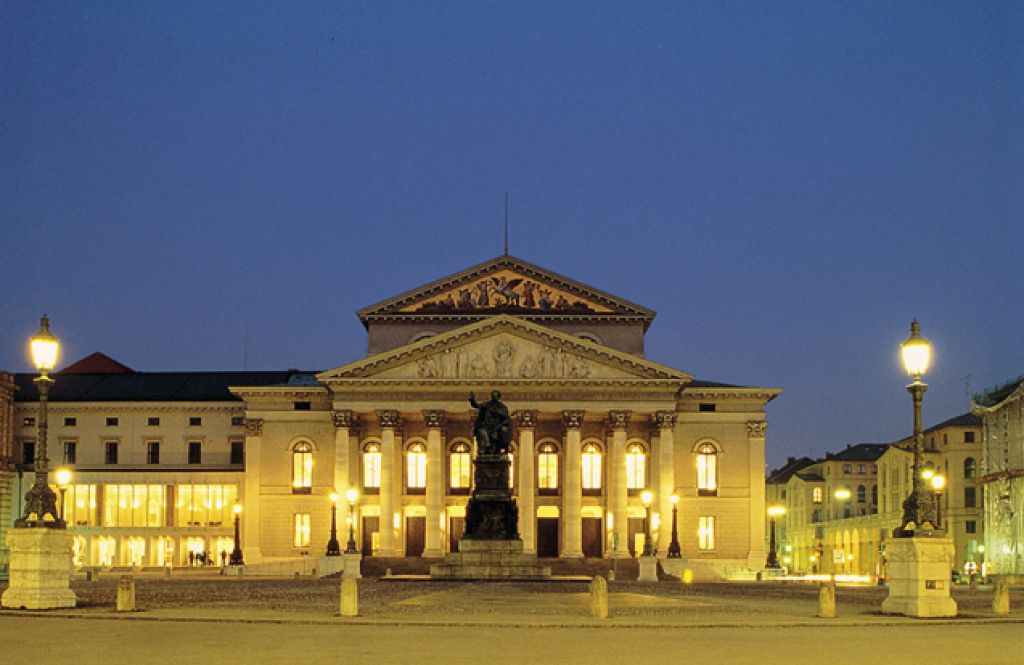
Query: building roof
[
  {"x": 994, "y": 396},
  {"x": 811, "y": 477},
  {"x": 96, "y": 363},
  {"x": 860, "y": 452},
  {"x": 792, "y": 466},
  {"x": 963, "y": 420}
]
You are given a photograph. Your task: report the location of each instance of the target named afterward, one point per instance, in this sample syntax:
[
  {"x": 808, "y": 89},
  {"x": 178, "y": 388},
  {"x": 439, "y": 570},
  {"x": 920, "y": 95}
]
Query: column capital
[
  {"x": 619, "y": 418},
  {"x": 388, "y": 418},
  {"x": 756, "y": 428},
  {"x": 665, "y": 419},
  {"x": 573, "y": 419},
  {"x": 434, "y": 417},
  {"x": 254, "y": 426},
  {"x": 343, "y": 418},
  {"x": 526, "y": 419}
]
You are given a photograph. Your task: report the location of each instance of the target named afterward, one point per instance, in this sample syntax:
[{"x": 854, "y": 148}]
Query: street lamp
[
  {"x": 918, "y": 508},
  {"x": 63, "y": 480},
  {"x": 236, "y": 554},
  {"x": 841, "y": 494},
  {"x": 41, "y": 502},
  {"x": 674, "y": 551},
  {"x": 352, "y": 494},
  {"x": 333, "y": 548},
  {"x": 773, "y": 558},
  {"x": 647, "y": 497},
  {"x": 938, "y": 484}
]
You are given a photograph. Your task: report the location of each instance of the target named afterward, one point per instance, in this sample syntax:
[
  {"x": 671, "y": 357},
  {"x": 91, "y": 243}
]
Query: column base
[
  {"x": 40, "y": 572},
  {"x": 919, "y": 577}
]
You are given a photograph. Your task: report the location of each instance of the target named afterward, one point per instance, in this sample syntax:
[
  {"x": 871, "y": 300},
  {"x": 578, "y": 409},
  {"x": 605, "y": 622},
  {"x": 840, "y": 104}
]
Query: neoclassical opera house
[{"x": 160, "y": 458}]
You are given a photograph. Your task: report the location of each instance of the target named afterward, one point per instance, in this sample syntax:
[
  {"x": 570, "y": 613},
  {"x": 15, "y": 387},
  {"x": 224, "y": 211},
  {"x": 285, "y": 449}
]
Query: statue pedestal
[
  {"x": 648, "y": 569},
  {"x": 40, "y": 569},
  {"x": 490, "y": 559},
  {"x": 351, "y": 564},
  {"x": 919, "y": 577}
]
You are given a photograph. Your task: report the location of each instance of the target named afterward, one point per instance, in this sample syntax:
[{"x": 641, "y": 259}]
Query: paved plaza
[{"x": 227, "y": 620}]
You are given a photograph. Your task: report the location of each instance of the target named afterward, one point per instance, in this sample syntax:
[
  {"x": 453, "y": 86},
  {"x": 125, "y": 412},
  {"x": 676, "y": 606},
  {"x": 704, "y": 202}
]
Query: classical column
[
  {"x": 388, "y": 419},
  {"x": 251, "y": 498},
  {"x": 666, "y": 422},
  {"x": 572, "y": 499},
  {"x": 435, "y": 482},
  {"x": 343, "y": 423},
  {"x": 527, "y": 421},
  {"x": 755, "y": 447},
  {"x": 617, "y": 493}
]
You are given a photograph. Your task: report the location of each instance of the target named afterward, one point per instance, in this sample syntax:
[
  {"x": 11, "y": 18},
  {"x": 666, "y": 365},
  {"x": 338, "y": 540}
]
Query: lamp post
[
  {"x": 918, "y": 508},
  {"x": 351, "y": 495},
  {"x": 41, "y": 502},
  {"x": 674, "y": 551},
  {"x": 236, "y": 554},
  {"x": 938, "y": 484},
  {"x": 63, "y": 480},
  {"x": 646, "y": 497},
  {"x": 843, "y": 495},
  {"x": 333, "y": 548},
  {"x": 773, "y": 557}
]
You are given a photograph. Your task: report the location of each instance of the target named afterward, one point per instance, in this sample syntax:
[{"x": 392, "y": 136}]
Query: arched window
[
  {"x": 862, "y": 494},
  {"x": 591, "y": 468},
  {"x": 459, "y": 467},
  {"x": 707, "y": 470},
  {"x": 816, "y": 495},
  {"x": 970, "y": 467},
  {"x": 547, "y": 468},
  {"x": 302, "y": 468},
  {"x": 371, "y": 468},
  {"x": 636, "y": 467},
  {"x": 416, "y": 468}
]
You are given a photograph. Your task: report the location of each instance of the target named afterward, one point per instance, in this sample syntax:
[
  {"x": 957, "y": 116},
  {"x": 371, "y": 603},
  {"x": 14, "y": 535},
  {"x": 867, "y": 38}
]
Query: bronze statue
[{"x": 493, "y": 426}]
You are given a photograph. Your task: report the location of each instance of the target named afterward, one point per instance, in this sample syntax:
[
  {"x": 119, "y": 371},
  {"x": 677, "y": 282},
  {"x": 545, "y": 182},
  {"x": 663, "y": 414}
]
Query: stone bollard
[
  {"x": 611, "y": 575},
  {"x": 599, "y": 598},
  {"x": 167, "y": 572},
  {"x": 126, "y": 594},
  {"x": 1001, "y": 599},
  {"x": 827, "y": 600},
  {"x": 349, "y": 597}
]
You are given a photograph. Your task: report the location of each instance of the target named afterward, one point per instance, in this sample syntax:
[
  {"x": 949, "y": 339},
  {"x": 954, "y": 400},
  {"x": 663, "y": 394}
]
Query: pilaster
[
  {"x": 665, "y": 421},
  {"x": 251, "y": 543},
  {"x": 617, "y": 492},
  {"x": 388, "y": 420},
  {"x": 572, "y": 501},
  {"x": 527, "y": 421},
  {"x": 435, "y": 482},
  {"x": 344, "y": 421},
  {"x": 756, "y": 430}
]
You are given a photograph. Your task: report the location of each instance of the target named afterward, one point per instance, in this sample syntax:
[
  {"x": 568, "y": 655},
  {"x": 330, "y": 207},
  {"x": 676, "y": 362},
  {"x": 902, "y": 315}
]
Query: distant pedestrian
[
  {"x": 223, "y": 558},
  {"x": 191, "y": 559}
]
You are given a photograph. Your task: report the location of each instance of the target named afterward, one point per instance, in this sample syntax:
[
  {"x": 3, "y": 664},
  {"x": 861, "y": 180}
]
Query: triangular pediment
[
  {"x": 505, "y": 285},
  {"x": 504, "y": 348}
]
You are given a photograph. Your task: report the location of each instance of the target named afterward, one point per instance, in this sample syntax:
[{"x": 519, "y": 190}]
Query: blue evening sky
[{"x": 786, "y": 184}]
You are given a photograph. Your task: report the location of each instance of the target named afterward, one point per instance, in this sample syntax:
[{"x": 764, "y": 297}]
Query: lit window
[
  {"x": 132, "y": 505},
  {"x": 70, "y": 452},
  {"x": 547, "y": 467},
  {"x": 970, "y": 467},
  {"x": 204, "y": 505},
  {"x": 591, "y": 467},
  {"x": 416, "y": 467},
  {"x": 707, "y": 470},
  {"x": 706, "y": 533},
  {"x": 371, "y": 466},
  {"x": 300, "y": 535},
  {"x": 816, "y": 494},
  {"x": 636, "y": 467},
  {"x": 302, "y": 467},
  {"x": 459, "y": 466}
]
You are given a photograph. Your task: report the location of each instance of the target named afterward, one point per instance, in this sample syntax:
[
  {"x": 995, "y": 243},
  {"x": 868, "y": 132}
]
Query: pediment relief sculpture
[{"x": 503, "y": 359}]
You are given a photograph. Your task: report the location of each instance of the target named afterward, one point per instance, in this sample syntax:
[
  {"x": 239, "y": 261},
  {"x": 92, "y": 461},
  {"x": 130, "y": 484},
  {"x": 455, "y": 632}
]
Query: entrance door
[
  {"x": 415, "y": 535},
  {"x": 547, "y": 536},
  {"x": 636, "y": 528},
  {"x": 371, "y": 525},
  {"x": 456, "y": 526},
  {"x": 592, "y": 537}
]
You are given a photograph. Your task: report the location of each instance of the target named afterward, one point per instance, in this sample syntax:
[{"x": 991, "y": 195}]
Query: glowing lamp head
[
  {"x": 776, "y": 511},
  {"x": 647, "y": 497},
  {"x": 675, "y": 499},
  {"x": 63, "y": 477},
  {"x": 45, "y": 347},
  {"x": 916, "y": 352},
  {"x": 334, "y": 497},
  {"x": 352, "y": 494},
  {"x": 938, "y": 482},
  {"x": 237, "y": 509},
  {"x": 928, "y": 474},
  {"x": 842, "y": 494}
]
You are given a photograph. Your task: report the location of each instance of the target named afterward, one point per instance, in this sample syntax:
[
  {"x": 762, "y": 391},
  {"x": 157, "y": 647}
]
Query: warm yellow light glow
[
  {"x": 237, "y": 509},
  {"x": 675, "y": 499},
  {"x": 396, "y": 520},
  {"x": 776, "y": 511},
  {"x": 787, "y": 560},
  {"x": 352, "y": 494},
  {"x": 63, "y": 477},
  {"x": 647, "y": 497},
  {"x": 789, "y": 548},
  {"x": 927, "y": 474},
  {"x": 45, "y": 347},
  {"x": 916, "y": 352},
  {"x": 655, "y": 521},
  {"x": 334, "y": 497},
  {"x": 842, "y": 494},
  {"x": 611, "y": 521},
  {"x": 814, "y": 557},
  {"x": 981, "y": 548},
  {"x": 938, "y": 482}
]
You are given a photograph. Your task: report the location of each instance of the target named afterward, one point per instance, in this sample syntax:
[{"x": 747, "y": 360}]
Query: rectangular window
[
  {"x": 968, "y": 437},
  {"x": 460, "y": 468},
  {"x": 860, "y": 468},
  {"x": 195, "y": 452},
  {"x": 28, "y": 453},
  {"x": 706, "y": 533},
  {"x": 28, "y": 422},
  {"x": 416, "y": 471},
  {"x": 706, "y": 407},
  {"x": 134, "y": 505},
  {"x": 70, "y": 452},
  {"x": 371, "y": 468},
  {"x": 112, "y": 422},
  {"x": 153, "y": 422},
  {"x": 153, "y": 452},
  {"x": 237, "y": 421},
  {"x": 547, "y": 471},
  {"x": 205, "y": 505},
  {"x": 970, "y": 526},
  {"x": 111, "y": 452},
  {"x": 195, "y": 421},
  {"x": 80, "y": 505},
  {"x": 300, "y": 535},
  {"x": 238, "y": 452},
  {"x": 847, "y": 468},
  {"x": 301, "y": 406},
  {"x": 70, "y": 422},
  {"x": 970, "y": 497}
]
